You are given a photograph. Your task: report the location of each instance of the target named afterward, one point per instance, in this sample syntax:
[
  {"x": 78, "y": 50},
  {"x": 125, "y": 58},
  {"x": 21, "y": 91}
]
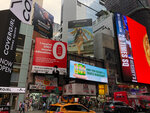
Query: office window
[{"x": 20, "y": 41}]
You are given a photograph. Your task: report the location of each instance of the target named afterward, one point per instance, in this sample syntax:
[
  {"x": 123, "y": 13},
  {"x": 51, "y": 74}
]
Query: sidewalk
[{"x": 36, "y": 111}]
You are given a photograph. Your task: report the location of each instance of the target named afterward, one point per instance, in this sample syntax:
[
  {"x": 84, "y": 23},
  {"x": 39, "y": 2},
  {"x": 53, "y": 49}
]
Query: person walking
[
  {"x": 20, "y": 109},
  {"x": 44, "y": 105},
  {"x": 23, "y": 107}
]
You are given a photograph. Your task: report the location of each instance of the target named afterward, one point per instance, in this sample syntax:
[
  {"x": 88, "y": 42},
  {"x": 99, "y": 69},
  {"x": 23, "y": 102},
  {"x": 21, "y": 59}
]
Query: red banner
[{"x": 50, "y": 57}]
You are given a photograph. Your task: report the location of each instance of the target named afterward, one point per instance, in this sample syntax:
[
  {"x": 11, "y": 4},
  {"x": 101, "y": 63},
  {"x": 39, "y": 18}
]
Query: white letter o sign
[{"x": 63, "y": 50}]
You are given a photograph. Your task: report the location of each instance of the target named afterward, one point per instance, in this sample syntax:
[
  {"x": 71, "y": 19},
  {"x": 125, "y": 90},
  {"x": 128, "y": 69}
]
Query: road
[{"x": 44, "y": 112}]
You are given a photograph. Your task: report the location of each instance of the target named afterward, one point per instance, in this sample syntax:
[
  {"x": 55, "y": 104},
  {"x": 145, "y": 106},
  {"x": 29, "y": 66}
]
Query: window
[
  {"x": 54, "y": 108},
  {"x": 75, "y": 108},
  {"x": 20, "y": 41},
  {"x": 15, "y": 76},
  {"x": 18, "y": 57},
  {"x": 118, "y": 103}
]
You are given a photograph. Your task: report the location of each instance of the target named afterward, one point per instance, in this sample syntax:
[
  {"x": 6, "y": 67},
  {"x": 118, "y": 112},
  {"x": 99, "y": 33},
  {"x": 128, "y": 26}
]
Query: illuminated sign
[
  {"x": 134, "y": 49},
  {"x": 87, "y": 72}
]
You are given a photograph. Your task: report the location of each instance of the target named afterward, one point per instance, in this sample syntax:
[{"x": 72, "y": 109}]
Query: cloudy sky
[{"x": 52, "y": 6}]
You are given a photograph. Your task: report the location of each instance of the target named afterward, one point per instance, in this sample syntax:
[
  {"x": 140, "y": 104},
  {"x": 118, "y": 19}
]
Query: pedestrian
[
  {"x": 23, "y": 107},
  {"x": 20, "y": 109},
  {"x": 7, "y": 103},
  {"x": 44, "y": 105}
]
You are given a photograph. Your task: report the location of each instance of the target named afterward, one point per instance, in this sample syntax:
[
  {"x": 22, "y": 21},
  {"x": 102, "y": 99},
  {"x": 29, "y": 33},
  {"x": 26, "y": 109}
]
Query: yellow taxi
[{"x": 68, "y": 108}]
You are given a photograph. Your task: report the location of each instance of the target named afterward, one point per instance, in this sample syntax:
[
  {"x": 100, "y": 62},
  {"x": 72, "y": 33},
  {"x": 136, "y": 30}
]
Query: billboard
[
  {"x": 79, "y": 32},
  {"x": 134, "y": 49},
  {"x": 43, "y": 81},
  {"x": 22, "y": 9},
  {"x": 50, "y": 57},
  {"x": 79, "y": 89},
  {"x": 87, "y": 72},
  {"x": 43, "y": 21},
  {"x": 9, "y": 30}
]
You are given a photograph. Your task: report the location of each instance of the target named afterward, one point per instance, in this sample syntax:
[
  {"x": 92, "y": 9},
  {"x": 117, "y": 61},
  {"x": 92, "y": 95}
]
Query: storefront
[{"x": 9, "y": 96}]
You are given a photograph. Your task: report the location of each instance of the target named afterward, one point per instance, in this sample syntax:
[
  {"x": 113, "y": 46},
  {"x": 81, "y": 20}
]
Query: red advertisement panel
[
  {"x": 50, "y": 57},
  {"x": 140, "y": 49}
]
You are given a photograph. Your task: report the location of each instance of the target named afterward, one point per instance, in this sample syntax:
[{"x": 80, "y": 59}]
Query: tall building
[
  {"x": 21, "y": 67},
  {"x": 78, "y": 9},
  {"x": 138, "y": 10}
]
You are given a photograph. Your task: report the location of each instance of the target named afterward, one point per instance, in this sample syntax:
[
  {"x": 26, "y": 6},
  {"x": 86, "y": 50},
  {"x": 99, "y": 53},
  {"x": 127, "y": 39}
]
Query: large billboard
[
  {"x": 79, "y": 32},
  {"x": 79, "y": 89},
  {"x": 9, "y": 30},
  {"x": 42, "y": 82},
  {"x": 134, "y": 49},
  {"x": 87, "y": 72},
  {"x": 22, "y": 9},
  {"x": 43, "y": 21},
  {"x": 50, "y": 57}
]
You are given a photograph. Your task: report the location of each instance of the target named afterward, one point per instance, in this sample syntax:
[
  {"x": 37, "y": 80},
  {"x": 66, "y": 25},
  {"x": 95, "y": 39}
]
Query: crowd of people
[{"x": 92, "y": 104}]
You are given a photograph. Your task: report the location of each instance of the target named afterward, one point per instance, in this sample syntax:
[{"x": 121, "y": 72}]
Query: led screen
[
  {"x": 134, "y": 49},
  {"x": 87, "y": 72}
]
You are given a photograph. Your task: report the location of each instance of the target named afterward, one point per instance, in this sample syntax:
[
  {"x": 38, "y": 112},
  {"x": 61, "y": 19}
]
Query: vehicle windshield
[{"x": 54, "y": 108}]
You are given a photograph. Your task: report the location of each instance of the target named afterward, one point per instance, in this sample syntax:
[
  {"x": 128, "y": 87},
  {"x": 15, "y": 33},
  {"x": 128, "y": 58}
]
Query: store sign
[
  {"x": 50, "y": 57},
  {"x": 22, "y": 9},
  {"x": 87, "y": 72},
  {"x": 11, "y": 90},
  {"x": 37, "y": 87},
  {"x": 9, "y": 30},
  {"x": 134, "y": 49},
  {"x": 43, "y": 21},
  {"x": 79, "y": 89}
]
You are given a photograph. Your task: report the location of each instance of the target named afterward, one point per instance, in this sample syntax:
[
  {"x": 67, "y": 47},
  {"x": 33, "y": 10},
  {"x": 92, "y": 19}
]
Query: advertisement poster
[
  {"x": 79, "y": 89},
  {"x": 50, "y": 57},
  {"x": 45, "y": 81},
  {"x": 134, "y": 49},
  {"x": 9, "y": 31},
  {"x": 22, "y": 9},
  {"x": 87, "y": 72},
  {"x": 43, "y": 21},
  {"x": 80, "y": 32}
]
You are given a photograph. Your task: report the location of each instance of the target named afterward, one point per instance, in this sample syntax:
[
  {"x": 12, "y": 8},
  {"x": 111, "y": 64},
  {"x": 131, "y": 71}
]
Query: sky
[{"x": 52, "y": 6}]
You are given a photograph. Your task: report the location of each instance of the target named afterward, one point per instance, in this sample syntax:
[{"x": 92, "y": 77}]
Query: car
[
  {"x": 68, "y": 108},
  {"x": 117, "y": 107}
]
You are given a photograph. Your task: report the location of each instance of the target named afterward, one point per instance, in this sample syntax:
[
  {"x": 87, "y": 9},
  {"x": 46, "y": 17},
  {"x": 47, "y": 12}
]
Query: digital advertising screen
[
  {"x": 50, "y": 57},
  {"x": 79, "y": 32},
  {"x": 134, "y": 49},
  {"x": 87, "y": 72}
]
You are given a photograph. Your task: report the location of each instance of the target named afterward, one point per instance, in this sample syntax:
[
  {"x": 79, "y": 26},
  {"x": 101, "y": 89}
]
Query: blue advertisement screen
[{"x": 87, "y": 72}]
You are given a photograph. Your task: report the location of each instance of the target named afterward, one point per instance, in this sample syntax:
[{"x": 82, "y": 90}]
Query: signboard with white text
[
  {"x": 49, "y": 57},
  {"x": 12, "y": 90},
  {"x": 9, "y": 30},
  {"x": 134, "y": 49},
  {"x": 22, "y": 9}
]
